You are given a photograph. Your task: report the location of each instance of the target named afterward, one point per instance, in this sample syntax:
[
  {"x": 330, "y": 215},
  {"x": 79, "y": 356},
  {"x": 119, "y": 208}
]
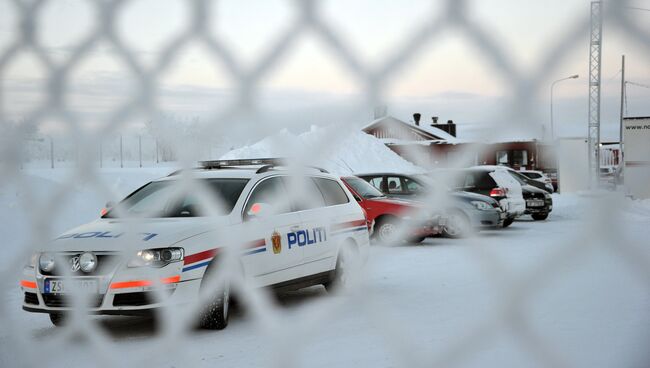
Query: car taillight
[{"x": 497, "y": 192}]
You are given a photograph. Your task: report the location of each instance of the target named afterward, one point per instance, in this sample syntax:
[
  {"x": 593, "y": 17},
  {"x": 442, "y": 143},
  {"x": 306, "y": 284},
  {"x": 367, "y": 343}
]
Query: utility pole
[
  {"x": 595, "y": 49},
  {"x": 621, "y": 159}
]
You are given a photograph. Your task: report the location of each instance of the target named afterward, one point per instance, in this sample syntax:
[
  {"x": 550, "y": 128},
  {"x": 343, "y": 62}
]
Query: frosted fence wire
[{"x": 237, "y": 119}]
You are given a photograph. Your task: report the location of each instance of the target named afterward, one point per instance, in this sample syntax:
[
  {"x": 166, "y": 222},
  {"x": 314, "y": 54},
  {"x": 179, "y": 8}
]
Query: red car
[{"x": 390, "y": 214}]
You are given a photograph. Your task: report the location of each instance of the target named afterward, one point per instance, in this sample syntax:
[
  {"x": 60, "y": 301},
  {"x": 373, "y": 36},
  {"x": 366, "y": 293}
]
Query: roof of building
[{"x": 428, "y": 131}]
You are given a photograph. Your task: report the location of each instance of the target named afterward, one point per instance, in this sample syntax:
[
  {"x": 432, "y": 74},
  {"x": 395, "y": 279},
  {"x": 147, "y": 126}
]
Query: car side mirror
[
  {"x": 260, "y": 210},
  {"x": 107, "y": 207}
]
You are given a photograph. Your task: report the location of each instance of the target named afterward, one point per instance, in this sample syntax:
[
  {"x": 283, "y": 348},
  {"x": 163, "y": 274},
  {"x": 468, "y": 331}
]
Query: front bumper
[{"x": 122, "y": 292}]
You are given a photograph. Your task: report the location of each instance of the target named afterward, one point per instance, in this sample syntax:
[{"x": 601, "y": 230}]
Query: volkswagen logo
[{"x": 74, "y": 264}]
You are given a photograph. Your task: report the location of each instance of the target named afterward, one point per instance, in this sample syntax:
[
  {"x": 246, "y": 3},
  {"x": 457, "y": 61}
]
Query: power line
[
  {"x": 635, "y": 8},
  {"x": 638, "y": 84}
]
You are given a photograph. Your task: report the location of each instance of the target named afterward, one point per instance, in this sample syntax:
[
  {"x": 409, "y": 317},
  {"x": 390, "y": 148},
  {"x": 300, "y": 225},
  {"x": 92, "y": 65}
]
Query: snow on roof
[
  {"x": 344, "y": 154},
  {"x": 428, "y": 129}
]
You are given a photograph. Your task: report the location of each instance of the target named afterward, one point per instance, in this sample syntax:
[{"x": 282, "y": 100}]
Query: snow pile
[{"x": 343, "y": 154}]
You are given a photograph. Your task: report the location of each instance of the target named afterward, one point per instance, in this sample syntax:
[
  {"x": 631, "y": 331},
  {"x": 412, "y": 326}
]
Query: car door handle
[{"x": 294, "y": 228}]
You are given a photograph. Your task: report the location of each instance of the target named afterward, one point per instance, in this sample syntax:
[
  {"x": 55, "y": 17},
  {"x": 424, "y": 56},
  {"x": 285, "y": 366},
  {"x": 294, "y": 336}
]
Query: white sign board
[
  {"x": 636, "y": 155},
  {"x": 573, "y": 164}
]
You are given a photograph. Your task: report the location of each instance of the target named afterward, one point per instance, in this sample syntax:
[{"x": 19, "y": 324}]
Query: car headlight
[
  {"x": 480, "y": 205},
  {"x": 87, "y": 262},
  {"x": 46, "y": 262},
  {"x": 156, "y": 257}
]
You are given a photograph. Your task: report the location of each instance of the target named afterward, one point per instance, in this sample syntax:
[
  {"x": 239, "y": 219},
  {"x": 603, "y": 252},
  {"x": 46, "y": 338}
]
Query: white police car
[{"x": 290, "y": 230}]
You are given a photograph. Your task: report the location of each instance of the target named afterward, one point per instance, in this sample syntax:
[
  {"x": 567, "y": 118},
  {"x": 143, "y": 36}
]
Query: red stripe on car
[
  {"x": 349, "y": 224},
  {"x": 256, "y": 243},
  {"x": 192, "y": 258}
]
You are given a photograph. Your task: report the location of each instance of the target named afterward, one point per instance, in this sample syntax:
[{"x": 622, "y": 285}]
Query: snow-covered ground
[{"x": 571, "y": 291}]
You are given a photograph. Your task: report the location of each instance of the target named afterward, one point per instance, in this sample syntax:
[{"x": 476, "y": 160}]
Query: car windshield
[
  {"x": 363, "y": 188},
  {"x": 168, "y": 199}
]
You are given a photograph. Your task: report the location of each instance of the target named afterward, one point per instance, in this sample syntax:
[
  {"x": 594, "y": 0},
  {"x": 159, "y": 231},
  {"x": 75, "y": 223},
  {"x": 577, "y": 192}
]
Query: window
[
  {"x": 332, "y": 192},
  {"x": 412, "y": 186},
  {"x": 519, "y": 158},
  {"x": 483, "y": 180},
  {"x": 376, "y": 182},
  {"x": 165, "y": 199},
  {"x": 394, "y": 185},
  {"x": 304, "y": 192},
  {"x": 363, "y": 188},
  {"x": 469, "y": 181},
  {"x": 532, "y": 175},
  {"x": 272, "y": 193},
  {"x": 502, "y": 158}
]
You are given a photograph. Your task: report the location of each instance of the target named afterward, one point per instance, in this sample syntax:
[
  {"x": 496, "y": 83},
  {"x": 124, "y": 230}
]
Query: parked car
[
  {"x": 539, "y": 202},
  {"x": 466, "y": 212},
  {"x": 390, "y": 215},
  {"x": 492, "y": 181},
  {"x": 537, "y": 184},
  {"x": 283, "y": 238},
  {"x": 539, "y": 176}
]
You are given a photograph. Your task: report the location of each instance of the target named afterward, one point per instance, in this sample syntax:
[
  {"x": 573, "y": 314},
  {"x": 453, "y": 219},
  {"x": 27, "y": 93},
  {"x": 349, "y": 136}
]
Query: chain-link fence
[{"x": 527, "y": 297}]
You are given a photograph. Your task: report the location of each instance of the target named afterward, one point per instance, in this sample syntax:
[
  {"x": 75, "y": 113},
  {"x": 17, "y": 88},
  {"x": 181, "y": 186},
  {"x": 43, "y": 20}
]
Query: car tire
[
  {"x": 386, "y": 230},
  {"x": 215, "y": 313},
  {"x": 58, "y": 319},
  {"x": 507, "y": 222},
  {"x": 460, "y": 225},
  {"x": 339, "y": 278},
  {"x": 540, "y": 216}
]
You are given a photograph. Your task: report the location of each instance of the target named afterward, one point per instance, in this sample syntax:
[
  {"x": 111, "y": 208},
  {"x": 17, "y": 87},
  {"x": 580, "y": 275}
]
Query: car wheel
[
  {"x": 215, "y": 313},
  {"x": 58, "y": 319},
  {"x": 387, "y": 230},
  {"x": 457, "y": 226},
  {"x": 540, "y": 216},
  {"x": 507, "y": 222},
  {"x": 340, "y": 278}
]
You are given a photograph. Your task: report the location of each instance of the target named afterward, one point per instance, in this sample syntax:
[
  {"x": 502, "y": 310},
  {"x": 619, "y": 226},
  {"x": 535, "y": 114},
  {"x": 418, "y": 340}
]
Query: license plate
[
  {"x": 535, "y": 203},
  {"x": 62, "y": 286}
]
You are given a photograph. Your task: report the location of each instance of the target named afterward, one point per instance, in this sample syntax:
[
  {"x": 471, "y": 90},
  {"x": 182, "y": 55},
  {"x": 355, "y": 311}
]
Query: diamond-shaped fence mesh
[{"x": 571, "y": 292}]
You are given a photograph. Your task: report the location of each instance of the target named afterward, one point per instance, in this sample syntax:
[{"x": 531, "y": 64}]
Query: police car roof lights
[{"x": 268, "y": 163}]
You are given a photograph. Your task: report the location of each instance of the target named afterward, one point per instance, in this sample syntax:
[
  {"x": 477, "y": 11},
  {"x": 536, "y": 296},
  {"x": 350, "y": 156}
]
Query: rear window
[
  {"x": 169, "y": 199},
  {"x": 483, "y": 180},
  {"x": 332, "y": 192}
]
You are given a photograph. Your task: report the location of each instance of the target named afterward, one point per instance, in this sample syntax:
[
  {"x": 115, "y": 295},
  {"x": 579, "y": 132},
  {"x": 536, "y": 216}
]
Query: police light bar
[{"x": 216, "y": 164}]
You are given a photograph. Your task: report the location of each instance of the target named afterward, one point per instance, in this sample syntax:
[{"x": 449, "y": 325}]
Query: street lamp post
[{"x": 552, "y": 86}]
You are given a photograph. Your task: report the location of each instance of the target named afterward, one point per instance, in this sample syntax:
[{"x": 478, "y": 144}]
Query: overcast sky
[{"x": 449, "y": 77}]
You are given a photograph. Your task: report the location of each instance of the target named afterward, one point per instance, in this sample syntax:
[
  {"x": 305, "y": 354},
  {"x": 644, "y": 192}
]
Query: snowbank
[{"x": 340, "y": 153}]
